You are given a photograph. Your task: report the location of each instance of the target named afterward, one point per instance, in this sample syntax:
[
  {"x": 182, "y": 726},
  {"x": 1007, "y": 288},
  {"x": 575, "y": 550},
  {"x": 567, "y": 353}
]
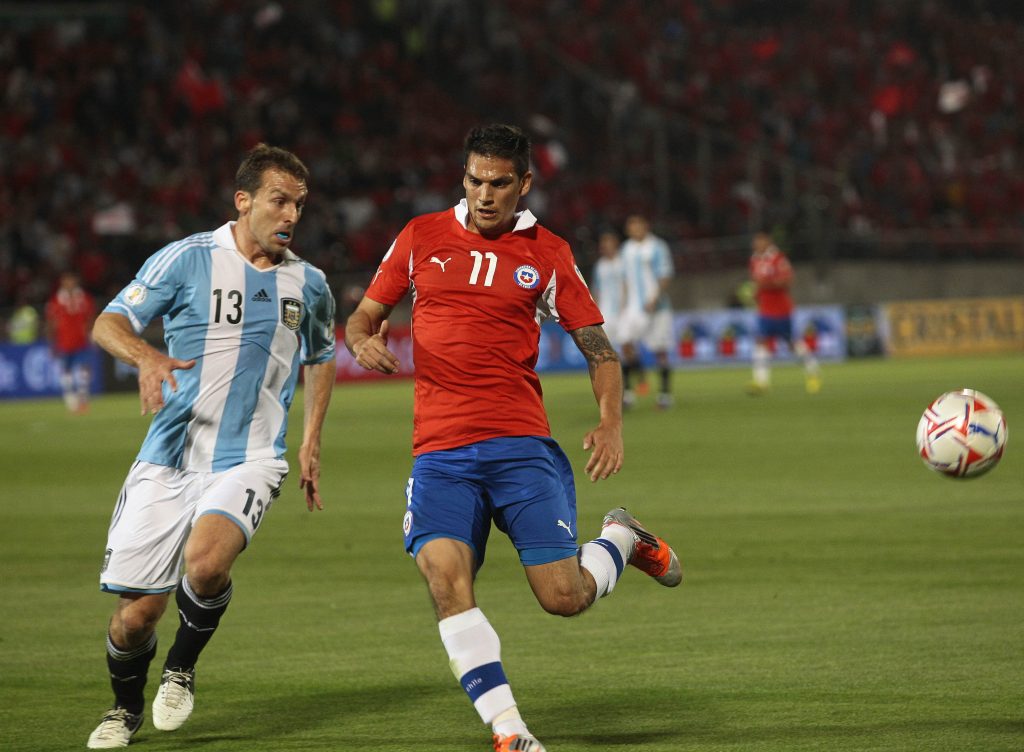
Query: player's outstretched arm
[
  {"x": 366, "y": 336},
  {"x": 113, "y": 332},
  {"x": 605, "y": 441},
  {"x": 319, "y": 382}
]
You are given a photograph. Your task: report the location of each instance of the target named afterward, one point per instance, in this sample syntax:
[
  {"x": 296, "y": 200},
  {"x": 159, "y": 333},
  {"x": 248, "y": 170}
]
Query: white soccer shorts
[
  {"x": 654, "y": 330},
  {"x": 157, "y": 508}
]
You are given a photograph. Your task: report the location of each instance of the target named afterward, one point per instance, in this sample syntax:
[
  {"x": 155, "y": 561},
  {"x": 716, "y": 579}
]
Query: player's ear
[
  {"x": 524, "y": 188},
  {"x": 242, "y": 202}
]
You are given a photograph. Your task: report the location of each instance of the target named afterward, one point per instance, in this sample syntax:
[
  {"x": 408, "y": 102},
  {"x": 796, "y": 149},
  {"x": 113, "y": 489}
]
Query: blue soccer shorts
[
  {"x": 80, "y": 358},
  {"x": 523, "y": 483},
  {"x": 775, "y": 327}
]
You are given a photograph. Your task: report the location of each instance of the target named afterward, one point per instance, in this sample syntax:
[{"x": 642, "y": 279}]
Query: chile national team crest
[{"x": 527, "y": 277}]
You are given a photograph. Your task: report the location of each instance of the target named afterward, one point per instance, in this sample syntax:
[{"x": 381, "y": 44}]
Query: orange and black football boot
[
  {"x": 517, "y": 743},
  {"x": 651, "y": 554}
]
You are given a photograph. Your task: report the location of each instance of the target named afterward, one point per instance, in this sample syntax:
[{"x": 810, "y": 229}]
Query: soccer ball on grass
[{"x": 962, "y": 434}]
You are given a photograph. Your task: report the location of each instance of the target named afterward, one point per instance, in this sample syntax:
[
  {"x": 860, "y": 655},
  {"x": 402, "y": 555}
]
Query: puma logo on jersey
[
  {"x": 567, "y": 528},
  {"x": 439, "y": 262}
]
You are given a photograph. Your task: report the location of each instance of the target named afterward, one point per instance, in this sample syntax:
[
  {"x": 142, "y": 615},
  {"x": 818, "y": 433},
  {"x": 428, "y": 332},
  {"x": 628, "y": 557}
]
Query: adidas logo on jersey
[{"x": 261, "y": 297}]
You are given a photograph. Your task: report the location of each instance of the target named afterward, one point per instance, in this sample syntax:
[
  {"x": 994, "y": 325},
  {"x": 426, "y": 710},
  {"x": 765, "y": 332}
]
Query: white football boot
[
  {"x": 115, "y": 730},
  {"x": 174, "y": 699}
]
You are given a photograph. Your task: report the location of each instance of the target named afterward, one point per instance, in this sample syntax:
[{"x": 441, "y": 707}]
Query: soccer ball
[{"x": 962, "y": 434}]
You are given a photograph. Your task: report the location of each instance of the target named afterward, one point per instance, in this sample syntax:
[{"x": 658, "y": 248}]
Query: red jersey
[
  {"x": 772, "y": 273},
  {"x": 477, "y": 309},
  {"x": 70, "y": 314}
]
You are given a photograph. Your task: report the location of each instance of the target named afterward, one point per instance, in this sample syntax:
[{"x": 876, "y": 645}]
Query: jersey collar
[
  {"x": 223, "y": 237},
  {"x": 524, "y": 219}
]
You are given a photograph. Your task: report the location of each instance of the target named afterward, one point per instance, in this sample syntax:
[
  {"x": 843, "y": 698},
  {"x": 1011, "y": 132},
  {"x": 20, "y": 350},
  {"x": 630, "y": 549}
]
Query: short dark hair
[
  {"x": 262, "y": 158},
  {"x": 502, "y": 141}
]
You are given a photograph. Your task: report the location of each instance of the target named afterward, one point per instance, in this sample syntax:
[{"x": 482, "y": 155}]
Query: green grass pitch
[{"x": 837, "y": 594}]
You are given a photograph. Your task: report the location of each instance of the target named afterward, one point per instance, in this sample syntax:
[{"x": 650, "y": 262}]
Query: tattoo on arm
[
  {"x": 385, "y": 310},
  {"x": 594, "y": 344}
]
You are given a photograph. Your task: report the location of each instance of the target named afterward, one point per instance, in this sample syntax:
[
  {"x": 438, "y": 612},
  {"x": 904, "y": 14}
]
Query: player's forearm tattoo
[{"x": 594, "y": 344}]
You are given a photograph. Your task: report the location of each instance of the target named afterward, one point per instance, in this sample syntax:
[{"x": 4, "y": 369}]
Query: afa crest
[{"x": 291, "y": 312}]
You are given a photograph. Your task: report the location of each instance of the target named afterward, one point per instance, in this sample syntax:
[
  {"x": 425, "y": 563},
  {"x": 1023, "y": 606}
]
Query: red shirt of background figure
[
  {"x": 477, "y": 308},
  {"x": 772, "y": 273},
  {"x": 69, "y": 313}
]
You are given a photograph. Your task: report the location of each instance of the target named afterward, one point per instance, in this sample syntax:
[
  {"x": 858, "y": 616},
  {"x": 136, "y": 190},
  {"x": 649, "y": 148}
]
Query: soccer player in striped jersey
[
  {"x": 241, "y": 314},
  {"x": 610, "y": 285},
  {"x": 647, "y": 263},
  {"x": 772, "y": 275},
  {"x": 483, "y": 276}
]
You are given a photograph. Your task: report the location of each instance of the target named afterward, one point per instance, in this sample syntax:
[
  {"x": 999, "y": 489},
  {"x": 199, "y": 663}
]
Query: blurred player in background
[
  {"x": 69, "y": 315},
  {"x": 772, "y": 275},
  {"x": 610, "y": 285},
  {"x": 484, "y": 277},
  {"x": 240, "y": 312},
  {"x": 647, "y": 263}
]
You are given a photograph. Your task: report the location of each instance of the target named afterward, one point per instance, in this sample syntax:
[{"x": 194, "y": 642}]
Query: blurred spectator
[
  {"x": 728, "y": 115},
  {"x": 23, "y": 325}
]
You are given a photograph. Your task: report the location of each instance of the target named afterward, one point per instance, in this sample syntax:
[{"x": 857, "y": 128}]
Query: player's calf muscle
[{"x": 136, "y": 618}]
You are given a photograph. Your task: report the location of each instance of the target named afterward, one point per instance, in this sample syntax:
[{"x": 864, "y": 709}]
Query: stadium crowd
[
  {"x": 119, "y": 127},
  {"x": 908, "y": 109}
]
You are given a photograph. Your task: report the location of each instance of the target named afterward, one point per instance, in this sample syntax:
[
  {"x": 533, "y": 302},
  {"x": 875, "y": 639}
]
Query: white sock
[
  {"x": 762, "y": 375},
  {"x": 509, "y": 722},
  {"x": 67, "y": 385},
  {"x": 82, "y": 377},
  {"x": 810, "y": 362},
  {"x": 474, "y": 655},
  {"x": 606, "y": 556}
]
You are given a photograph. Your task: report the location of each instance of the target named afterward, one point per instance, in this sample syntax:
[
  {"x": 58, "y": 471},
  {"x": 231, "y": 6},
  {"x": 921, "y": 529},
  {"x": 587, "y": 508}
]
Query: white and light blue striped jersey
[
  {"x": 609, "y": 280},
  {"x": 645, "y": 262},
  {"x": 248, "y": 329}
]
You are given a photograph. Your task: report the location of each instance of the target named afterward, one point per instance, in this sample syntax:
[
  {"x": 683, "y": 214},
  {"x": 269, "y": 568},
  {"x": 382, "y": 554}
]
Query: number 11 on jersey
[{"x": 478, "y": 260}]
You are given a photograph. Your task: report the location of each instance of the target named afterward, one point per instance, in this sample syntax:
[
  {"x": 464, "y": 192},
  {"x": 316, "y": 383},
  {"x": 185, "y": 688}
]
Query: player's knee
[{"x": 447, "y": 568}]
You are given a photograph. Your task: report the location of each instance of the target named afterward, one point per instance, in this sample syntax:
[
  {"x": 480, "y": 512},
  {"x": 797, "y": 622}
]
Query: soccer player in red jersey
[
  {"x": 773, "y": 275},
  {"x": 69, "y": 315},
  {"x": 483, "y": 276}
]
